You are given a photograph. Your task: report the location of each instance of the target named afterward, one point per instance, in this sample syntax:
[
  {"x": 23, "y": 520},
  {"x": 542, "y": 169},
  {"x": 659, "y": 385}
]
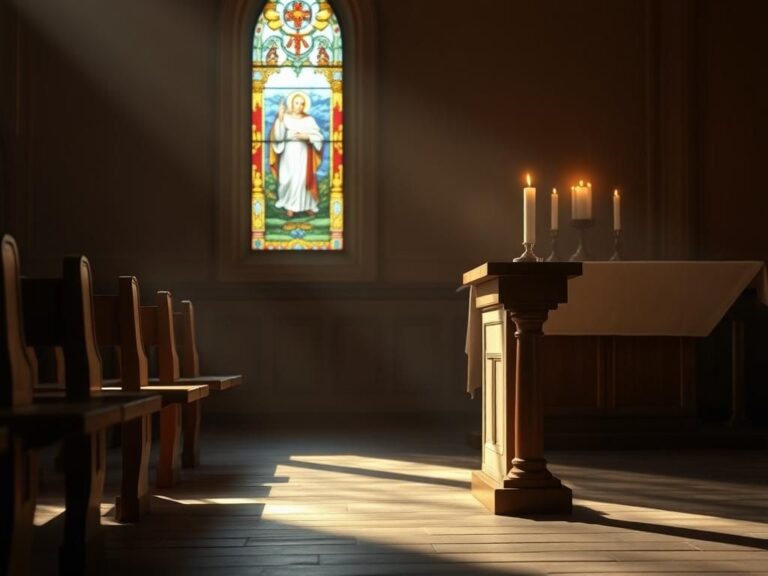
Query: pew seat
[
  {"x": 182, "y": 393},
  {"x": 215, "y": 383},
  {"x": 170, "y": 394},
  {"x": 189, "y": 358},
  {"x": 131, "y": 405},
  {"x": 42, "y": 424}
]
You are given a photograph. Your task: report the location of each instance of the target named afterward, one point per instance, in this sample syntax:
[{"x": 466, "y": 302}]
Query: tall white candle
[
  {"x": 529, "y": 212},
  {"x": 588, "y": 201},
  {"x": 579, "y": 203},
  {"x": 554, "y": 216},
  {"x": 616, "y": 210}
]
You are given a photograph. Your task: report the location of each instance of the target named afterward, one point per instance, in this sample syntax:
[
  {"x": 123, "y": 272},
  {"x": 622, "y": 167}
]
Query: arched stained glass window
[{"x": 297, "y": 200}]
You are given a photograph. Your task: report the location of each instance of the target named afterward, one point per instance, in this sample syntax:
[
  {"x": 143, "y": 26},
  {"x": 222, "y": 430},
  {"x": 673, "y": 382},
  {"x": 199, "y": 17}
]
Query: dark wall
[
  {"x": 118, "y": 115},
  {"x": 556, "y": 88},
  {"x": 111, "y": 112},
  {"x": 732, "y": 129}
]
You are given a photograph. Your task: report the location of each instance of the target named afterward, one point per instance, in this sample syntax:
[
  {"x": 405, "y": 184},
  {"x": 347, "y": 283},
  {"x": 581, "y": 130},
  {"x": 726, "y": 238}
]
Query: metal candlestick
[
  {"x": 616, "y": 245},
  {"x": 581, "y": 224},
  {"x": 527, "y": 255},
  {"x": 553, "y": 255}
]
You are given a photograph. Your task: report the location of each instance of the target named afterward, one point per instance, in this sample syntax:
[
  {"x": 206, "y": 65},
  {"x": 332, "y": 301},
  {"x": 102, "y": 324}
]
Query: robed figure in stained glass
[
  {"x": 296, "y": 144},
  {"x": 297, "y": 128}
]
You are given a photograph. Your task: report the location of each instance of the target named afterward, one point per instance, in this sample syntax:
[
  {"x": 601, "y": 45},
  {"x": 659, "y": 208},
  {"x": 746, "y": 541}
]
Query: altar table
[{"x": 624, "y": 341}]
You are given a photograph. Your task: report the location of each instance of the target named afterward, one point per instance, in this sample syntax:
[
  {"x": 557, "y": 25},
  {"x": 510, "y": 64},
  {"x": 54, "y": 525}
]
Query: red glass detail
[
  {"x": 296, "y": 14},
  {"x": 338, "y": 120},
  {"x": 297, "y": 41},
  {"x": 256, "y": 119}
]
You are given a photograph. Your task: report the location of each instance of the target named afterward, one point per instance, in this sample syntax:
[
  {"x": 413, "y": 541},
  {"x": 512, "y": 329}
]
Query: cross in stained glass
[{"x": 297, "y": 14}]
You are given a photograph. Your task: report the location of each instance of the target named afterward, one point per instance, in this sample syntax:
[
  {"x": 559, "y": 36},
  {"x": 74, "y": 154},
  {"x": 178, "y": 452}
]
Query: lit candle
[
  {"x": 616, "y": 210},
  {"x": 529, "y": 212},
  {"x": 588, "y": 200},
  {"x": 579, "y": 201},
  {"x": 553, "y": 219}
]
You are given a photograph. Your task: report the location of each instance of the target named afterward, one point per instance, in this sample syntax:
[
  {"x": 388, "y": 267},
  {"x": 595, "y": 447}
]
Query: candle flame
[
  {"x": 554, "y": 191},
  {"x": 589, "y": 184},
  {"x": 528, "y": 179},
  {"x": 581, "y": 182},
  {"x": 616, "y": 192}
]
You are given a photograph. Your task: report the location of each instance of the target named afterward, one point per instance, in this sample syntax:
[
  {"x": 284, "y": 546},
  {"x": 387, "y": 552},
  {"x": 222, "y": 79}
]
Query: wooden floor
[{"x": 321, "y": 503}]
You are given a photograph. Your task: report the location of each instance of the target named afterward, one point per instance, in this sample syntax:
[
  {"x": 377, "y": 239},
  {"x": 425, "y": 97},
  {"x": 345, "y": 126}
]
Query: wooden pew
[
  {"x": 44, "y": 328},
  {"x": 121, "y": 324},
  {"x": 177, "y": 356},
  {"x": 83, "y": 374},
  {"x": 187, "y": 364},
  {"x": 189, "y": 358},
  {"x": 79, "y": 420},
  {"x": 157, "y": 326}
]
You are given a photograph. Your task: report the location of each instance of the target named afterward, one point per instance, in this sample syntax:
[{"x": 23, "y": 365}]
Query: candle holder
[
  {"x": 581, "y": 224},
  {"x": 553, "y": 255},
  {"x": 527, "y": 255},
  {"x": 616, "y": 245}
]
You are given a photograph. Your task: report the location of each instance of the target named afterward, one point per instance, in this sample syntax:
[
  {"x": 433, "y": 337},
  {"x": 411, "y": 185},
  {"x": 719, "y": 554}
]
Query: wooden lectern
[{"x": 514, "y": 299}]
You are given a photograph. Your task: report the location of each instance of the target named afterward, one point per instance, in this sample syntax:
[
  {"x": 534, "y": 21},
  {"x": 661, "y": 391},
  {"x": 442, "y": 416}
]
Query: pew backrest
[
  {"x": 16, "y": 371},
  {"x": 157, "y": 327},
  {"x": 118, "y": 325},
  {"x": 83, "y": 370},
  {"x": 60, "y": 312},
  {"x": 184, "y": 322}
]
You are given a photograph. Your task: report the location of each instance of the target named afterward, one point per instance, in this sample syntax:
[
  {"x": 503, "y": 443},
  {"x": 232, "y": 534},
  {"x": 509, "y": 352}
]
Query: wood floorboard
[{"x": 398, "y": 502}]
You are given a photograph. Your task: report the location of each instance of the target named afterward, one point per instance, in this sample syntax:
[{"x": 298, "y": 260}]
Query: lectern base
[{"x": 519, "y": 501}]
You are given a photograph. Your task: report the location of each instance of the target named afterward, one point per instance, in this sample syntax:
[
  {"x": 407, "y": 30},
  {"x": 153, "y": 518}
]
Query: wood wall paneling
[
  {"x": 573, "y": 375},
  {"x": 232, "y": 338},
  {"x": 652, "y": 374},
  {"x": 360, "y": 355},
  {"x": 300, "y": 357},
  {"x": 418, "y": 369}
]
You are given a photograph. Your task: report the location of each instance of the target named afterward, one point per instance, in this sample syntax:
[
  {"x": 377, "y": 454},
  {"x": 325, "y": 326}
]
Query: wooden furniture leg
[
  {"x": 190, "y": 455},
  {"x": 133, "y": 501},
  {"x": 85, "y": 463},
  {"x": 18, "y": 476},
  {"x": 738, "y": 407},
  {"x": 170, "y": 444}
]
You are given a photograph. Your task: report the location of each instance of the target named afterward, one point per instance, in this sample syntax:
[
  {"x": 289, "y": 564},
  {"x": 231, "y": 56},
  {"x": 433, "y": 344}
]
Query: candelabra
[
  {"x": 528, "y": 254},
  {"x": 616, "y": 245},
  {"x": 581, "y": 224},
  {"x": 553, "y": 254}
]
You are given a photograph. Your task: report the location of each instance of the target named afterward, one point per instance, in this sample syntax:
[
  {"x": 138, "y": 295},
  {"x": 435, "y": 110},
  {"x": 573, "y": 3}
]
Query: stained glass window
[{"x": 297, "y": 200}]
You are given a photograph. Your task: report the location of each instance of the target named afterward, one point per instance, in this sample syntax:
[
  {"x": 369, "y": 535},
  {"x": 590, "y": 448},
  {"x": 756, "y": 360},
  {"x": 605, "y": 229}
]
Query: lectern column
[{"x": 528, "y": 418}]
